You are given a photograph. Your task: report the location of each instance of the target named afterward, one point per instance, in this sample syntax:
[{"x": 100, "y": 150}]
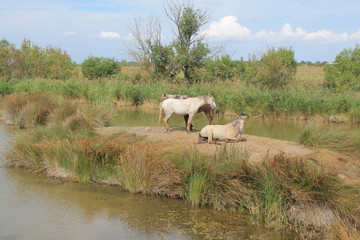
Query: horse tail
[{"x": 160, "y": 112}]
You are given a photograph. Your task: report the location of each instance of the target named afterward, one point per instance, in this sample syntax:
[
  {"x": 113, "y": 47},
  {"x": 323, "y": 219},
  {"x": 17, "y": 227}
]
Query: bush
[
  {"x": 6, "y": 51},
  {"x": 99, "y": 67},
  {"x": 277, "y": 68},
  {"x": 5, "y": 87},
  {"x": 221, "y": 68},
  {"x": 345, "y": 73},
  {"x": 33, "y": 61}
]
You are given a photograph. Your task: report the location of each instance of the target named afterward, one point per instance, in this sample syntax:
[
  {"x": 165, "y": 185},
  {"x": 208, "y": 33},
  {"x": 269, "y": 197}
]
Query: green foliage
[
  {"x": 6, "y": 87},
  {"x": 6, "y": 56},
  {"x": 133, "y": 93},
  {"x": 191, "y": 51},
  {"x": 58, "y": 64},
  {"x": 345, "y": 73},
  {"x": 99, "y": 67},
  {"x": 277, "y": 68},
  {"x": 221, "y": 68},
  {"x": 33, "y": 61},
  {"x": 312, "y": 136},
  {"x": 163, "y": 59}
]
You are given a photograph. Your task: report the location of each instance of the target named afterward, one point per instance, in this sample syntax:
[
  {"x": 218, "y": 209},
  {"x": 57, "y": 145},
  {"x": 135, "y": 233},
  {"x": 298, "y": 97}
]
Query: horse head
[
  {"x": 211, "y": 101},
  {"x": 240, "y": 123}
]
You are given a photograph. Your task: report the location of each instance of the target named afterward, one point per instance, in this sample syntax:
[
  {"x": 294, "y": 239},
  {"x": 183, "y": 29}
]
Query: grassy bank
[
  {"x": 284, "y": 193},
  {"x": 302, "y": 99}
]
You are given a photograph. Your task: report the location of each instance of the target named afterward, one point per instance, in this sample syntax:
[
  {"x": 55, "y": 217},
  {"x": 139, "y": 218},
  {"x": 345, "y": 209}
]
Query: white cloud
[
  {"x": 355, "y": 35},
  {"x": 109, "y": 35},
  {"x": 287, "y": 32},
  {"x": 69, "y": 33},
  {"x": 228, "y": 28}
]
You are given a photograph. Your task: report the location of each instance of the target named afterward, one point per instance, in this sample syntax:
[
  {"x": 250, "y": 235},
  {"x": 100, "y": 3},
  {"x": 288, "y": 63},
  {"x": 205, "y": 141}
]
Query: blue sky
[{"x": 316, "y": 30}]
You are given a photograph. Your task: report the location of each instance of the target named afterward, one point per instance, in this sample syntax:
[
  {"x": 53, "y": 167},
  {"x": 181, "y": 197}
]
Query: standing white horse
[
  {"x": 188, "y": 106},
  {"x": 208, "y": 111}
]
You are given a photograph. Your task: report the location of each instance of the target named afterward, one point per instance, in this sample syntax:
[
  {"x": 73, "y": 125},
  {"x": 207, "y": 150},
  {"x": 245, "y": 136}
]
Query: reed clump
[
  {"x": 30, "y": 110},
  {"x": 312, "y": 136}
]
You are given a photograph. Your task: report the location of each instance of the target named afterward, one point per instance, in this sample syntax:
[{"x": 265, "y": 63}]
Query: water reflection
[
  {"x": 36, "y": 207},
  {"x": 42, "y": 208}
]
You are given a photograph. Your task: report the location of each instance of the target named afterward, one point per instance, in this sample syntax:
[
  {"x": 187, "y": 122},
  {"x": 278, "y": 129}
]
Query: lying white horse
[
  {"x": 188, "y": 106},
  {"x": 230, "y": 132}
]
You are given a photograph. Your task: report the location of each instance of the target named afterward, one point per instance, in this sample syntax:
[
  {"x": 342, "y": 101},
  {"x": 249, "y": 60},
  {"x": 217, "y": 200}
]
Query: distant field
[{"x": 310, "y": 74}]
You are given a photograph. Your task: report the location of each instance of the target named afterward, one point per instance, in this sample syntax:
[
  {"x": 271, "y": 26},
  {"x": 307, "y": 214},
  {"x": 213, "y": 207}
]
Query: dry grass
[{"x": 143, "y": 169}]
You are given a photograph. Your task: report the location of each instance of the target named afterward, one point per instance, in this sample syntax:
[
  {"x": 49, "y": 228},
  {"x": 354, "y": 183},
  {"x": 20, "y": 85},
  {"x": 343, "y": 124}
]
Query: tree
[
  {"x": 344, "y": 74},
  {"x": 146, "y": 37},
  {"x": 6, "y": 59},
  {"x": 190, "y": 50},
  {"x": 99, "y": 67},
  {"x": 162, "y": 58},
  {"x": 58, "y": 63},
  {"x": 276, "y": 68}
]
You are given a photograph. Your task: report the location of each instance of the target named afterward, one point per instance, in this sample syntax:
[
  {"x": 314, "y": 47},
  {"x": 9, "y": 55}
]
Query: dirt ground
[{"x": 259, "y": 147}]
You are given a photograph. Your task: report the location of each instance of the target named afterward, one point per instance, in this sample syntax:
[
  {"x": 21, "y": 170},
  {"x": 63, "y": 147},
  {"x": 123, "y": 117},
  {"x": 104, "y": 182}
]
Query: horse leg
[
  {"x": 201, "y": 139},
  {"x": 186, "y": 117},
  {"x": 188, "y": 125},
  {"x": 166, "y": 119},
  {"x": 209, "y": 117},
  {"x": 231, "y": 139}
]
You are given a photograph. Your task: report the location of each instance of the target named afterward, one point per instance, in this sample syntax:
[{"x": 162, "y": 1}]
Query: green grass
[
  {"x": 304, "y": 98},
  {"x": 316, "y": 137}
]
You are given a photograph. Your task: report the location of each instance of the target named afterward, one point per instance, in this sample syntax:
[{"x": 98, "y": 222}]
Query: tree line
[{"x": 187, "y": 58}]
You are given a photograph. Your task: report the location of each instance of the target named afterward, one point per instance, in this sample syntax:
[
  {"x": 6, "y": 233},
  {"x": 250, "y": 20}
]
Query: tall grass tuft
[
  {"x": 11, "y": 106},
  {"x": 141, "y": 169},
  {"x": 28, "y": 110},
  {"x": 197, "y": 185},
  {"x": 313, "y": 136}
]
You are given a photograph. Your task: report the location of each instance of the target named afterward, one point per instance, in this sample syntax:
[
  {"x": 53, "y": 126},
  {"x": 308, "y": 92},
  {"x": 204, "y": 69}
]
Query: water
[
  {"x": 273, "y": 128},
  {"x": 35, "y": 207}
]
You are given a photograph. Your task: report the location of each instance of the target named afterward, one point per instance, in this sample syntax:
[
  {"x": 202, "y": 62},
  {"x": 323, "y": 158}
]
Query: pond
[
  {"x": 273, "y": 128},
  {"x": 35, "y": 207}
]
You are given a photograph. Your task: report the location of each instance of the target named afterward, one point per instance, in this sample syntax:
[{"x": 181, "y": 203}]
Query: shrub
[
  {"x": 99, "y": 67},
  {"x": 277, "y": 68},
  {"x": 345, "y": 73},
  {"x": 221, "y": 68},
  {"x": 135, "y": 95},
  {"x": 6, "y": 52},
  {"x": 5, "y": 87},
  {"x": 58, "y": 63}
]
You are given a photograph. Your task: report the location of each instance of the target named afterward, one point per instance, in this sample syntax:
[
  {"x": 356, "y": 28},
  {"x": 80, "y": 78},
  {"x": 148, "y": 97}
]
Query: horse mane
[
  {"x": 235, "y": 122},
  {"x": 165, "y": 96}
]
